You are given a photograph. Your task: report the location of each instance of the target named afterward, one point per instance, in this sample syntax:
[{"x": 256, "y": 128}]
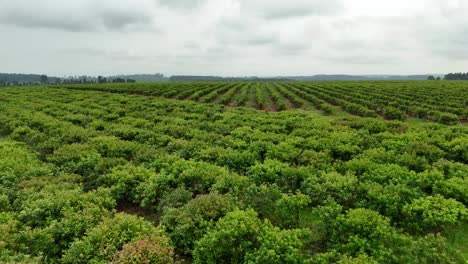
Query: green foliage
[
  {"x": 317, "y": 159},
  {"x": 240, "y": 237},
  {"x": 360, "y": 259},
  {"x": 388, "y": 173},
  {"x": 458, "y": 149},
  {"x": 453, "y": 188},
  {"x": 393, "y": 113},
  {"x": 233, "y": 184},
  {"x": 434, "y": 213},
  {"x": 16, "y": 164},
  {"x": 392, "y": 100},
  {"x": 273, "y": 171},
  {"x": 174, "y": 199},
  {"x": 104, "y": 240},
  {"x": 239, "y": 161},
  {"x": 362, "y": 232},
  {"x": 447, "y": 118},
  {"x": 388, "y": 199},
  {"x": 341, "y": 188},
  {"x": 79, "y": 159},
  {"x": 290, "y": 207},
  {"x": 58, "y": 212},
  {"x": 457, "y": 239},
  {"x": 362, "y": 190},
  {"x": 152, "y": 189},
  {"x": 10, "y": 235},
  {"x": 263, "y": 199},
  {"x": 113, "y": 147},
  {"x": 435, "y": 249},
  {"x": 76, "y": 158},
  {"x": 124, "y": 180},
  {"x": 189, "y": 223},
  {"x": 197, "y": 177}
]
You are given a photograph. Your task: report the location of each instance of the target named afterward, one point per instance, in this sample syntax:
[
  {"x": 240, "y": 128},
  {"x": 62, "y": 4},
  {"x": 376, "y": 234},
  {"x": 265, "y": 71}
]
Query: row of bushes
[{"x": 291, "y": 186}]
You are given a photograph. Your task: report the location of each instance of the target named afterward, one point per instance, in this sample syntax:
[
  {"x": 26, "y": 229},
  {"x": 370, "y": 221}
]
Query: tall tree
[
  {"x": 44, "y": 78},
  {"x": 102, "y": 79}
]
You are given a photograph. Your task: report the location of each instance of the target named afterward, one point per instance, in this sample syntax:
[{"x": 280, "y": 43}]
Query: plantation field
[
  {"x": 196, "y": 173},
  {"x": 444, "y": 102}
]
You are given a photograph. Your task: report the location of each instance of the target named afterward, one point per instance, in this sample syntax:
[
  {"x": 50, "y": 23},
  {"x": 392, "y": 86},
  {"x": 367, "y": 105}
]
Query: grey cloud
[
  {"x": 77, "y": 16},
  {"x": 243, "y": 32},
  {"x": 119, "y": 19},
  {"x": 259, "y": 40},
  {"x": 369, "y": 59},
  {"x": 250, "y": 37},
  {"x": 452, "y": 45},
  {"x": 290, "y": 11},
  {"x": 276, "y": 9},
  {"x": 82, "y": 51},
  {"x": 114, "y": 55},
  {"x": 184, "y": 5},
  {"x": 259, "y": 24},
  {"x": 373, "y": 40},
  {"x": 460, "y": 53},
  {"x": 191, "y": 45},
  {"x": 234, "y": 36},
  {"x": 52, "y": 23},
  {"x": 443, "y": 37},
  {"x": 292, "y": 48}
]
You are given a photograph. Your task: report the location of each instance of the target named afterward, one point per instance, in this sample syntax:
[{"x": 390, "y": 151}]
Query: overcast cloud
[{"x": 233, "y": 37}]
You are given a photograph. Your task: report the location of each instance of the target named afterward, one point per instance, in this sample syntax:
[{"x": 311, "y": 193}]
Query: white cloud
[{"x": 234, "y": 37}]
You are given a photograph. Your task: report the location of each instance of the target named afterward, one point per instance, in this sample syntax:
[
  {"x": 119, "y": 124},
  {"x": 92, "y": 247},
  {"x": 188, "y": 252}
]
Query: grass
[{"x": 458, "y": 238}]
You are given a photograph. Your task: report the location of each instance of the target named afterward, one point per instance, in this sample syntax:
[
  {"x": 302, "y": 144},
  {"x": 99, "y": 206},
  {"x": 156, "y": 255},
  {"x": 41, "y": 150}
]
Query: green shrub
[
  {"x": 187, "y": 224},
  {"x": 103, "y": 241},
  {"x": 447, "y": 118},
  {"x": 434, "y": 213},
  {"x": 240, "y": 237}
]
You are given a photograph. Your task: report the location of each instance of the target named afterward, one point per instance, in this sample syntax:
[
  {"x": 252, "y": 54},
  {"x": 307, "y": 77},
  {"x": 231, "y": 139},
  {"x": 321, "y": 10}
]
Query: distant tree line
[
  {"x": 102, "y": 79},
  {"x": 17, "y": 77},
  {"x": 432, "y": 78},
  {"x": 196, "y": 78},
  {"x": 157, "y": 77},
  {"x": 31, "y": 80},
  {"x": 456, "y": 76}
]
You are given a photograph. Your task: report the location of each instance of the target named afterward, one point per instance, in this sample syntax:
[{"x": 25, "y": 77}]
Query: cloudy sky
[{"x": 233, "y": 37}]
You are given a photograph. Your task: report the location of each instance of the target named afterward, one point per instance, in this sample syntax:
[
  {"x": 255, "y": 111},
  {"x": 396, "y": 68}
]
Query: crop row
[
  {"x": 444, "y": 102},
  {"x": 79, "y": 168}
]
